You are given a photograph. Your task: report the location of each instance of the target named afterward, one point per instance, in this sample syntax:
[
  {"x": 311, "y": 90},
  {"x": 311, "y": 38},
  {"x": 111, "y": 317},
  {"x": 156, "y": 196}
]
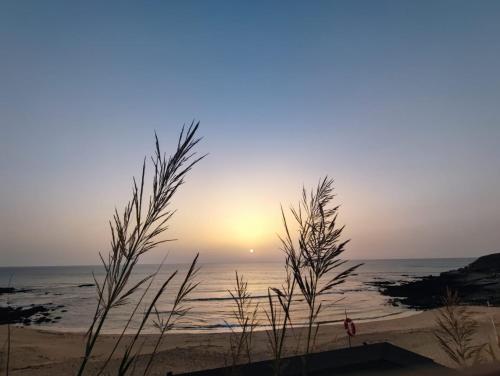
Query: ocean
[{"x": 210, "y": 304}]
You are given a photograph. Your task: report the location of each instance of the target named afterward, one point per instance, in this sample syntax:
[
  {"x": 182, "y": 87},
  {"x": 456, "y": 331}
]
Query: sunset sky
[{"x": 398, "y": 101}]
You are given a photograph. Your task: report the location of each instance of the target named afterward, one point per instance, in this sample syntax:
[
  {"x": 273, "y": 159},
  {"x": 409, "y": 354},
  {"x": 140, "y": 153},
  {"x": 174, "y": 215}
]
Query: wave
[
  {"x": 297, "y": 325},
  {"x": 223, "y": 298}
]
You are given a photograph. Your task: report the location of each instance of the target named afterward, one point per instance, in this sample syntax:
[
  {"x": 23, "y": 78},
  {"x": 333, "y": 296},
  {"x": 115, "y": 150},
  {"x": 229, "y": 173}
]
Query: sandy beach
[{"x": 40, "y": 352}]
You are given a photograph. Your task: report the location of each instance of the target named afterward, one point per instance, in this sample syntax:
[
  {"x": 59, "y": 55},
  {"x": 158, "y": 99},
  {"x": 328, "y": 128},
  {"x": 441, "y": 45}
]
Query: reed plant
[
  {"x": 135, "y": 232},
  {"x": 245, "y": 315},
  {"x": 314, "y": 257},
  {"x": 164, "y": 323},
  {"x": 279, "y": 319},
  {"x": 493, "y": 346},
  {"x": 455, "y": 331},
  {"x": 7, "y": 355},
  {"x": 147, "y": 313},
  {"x": 8, "y": 341},
  {"x": 309, "y": 262}
]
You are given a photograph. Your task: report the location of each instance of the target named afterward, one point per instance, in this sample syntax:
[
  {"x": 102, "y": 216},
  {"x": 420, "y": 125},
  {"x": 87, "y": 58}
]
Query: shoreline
[
  {"x": 38, "y": 351},
  {"x": 66, "y": 303},
  {"x": 219, "y": 330}
]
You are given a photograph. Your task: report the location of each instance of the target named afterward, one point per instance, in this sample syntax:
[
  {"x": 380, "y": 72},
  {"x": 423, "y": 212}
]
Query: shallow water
[{"x": 210, "y": 304}]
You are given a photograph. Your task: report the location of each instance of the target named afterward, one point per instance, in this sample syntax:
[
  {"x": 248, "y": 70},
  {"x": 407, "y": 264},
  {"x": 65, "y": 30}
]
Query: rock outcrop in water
[
  {"x": 33, "y": 314},
  {"x": 87, "y": 285},
  {"x": 12, "y": 290},
  {"x": 477, "y": 284},
  {"x": 27, "y": 315}
]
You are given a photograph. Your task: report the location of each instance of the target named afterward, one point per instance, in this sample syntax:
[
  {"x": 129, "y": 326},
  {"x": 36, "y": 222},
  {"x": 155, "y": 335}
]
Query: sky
[{"x": 398, "y": 101}]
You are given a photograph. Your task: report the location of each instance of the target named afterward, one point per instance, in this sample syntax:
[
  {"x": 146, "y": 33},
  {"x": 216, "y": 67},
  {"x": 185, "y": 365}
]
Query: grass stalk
[
  {"x": 7, "y": 356},
  {"x": 279, "y": 318},
  {"x": 177, "y": 312},
  {"x": 455, "y": 330},
  {"x": 137, "y": 229},
  {"x": 246, "y": 318},
  {"x": 315, "y": 255},
  {"x": 131, "y": 316},
  {"x": 9, "y": 337}
]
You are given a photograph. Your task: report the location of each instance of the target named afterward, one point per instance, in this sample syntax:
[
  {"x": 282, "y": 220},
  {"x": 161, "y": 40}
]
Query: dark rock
[
  {"x": 12, "y": 290},
  {"x": 477, "y": 283},
  {"x": 486, "y": 264},
  {"x": 13, "y": 315},
  {"x": 86, "y": 285},
  {"x": 38, "y": 314},
  {"x": 41, "y": 320}
]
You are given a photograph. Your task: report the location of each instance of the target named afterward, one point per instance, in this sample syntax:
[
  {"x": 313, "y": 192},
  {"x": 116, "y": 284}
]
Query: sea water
[{"x": 210, "y": 304}]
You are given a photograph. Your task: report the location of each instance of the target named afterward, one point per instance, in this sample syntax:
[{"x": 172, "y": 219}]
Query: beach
[{"x": 44, "y": 352}]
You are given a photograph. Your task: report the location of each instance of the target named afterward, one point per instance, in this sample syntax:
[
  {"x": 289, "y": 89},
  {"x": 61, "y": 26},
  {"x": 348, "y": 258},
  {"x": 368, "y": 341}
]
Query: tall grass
[
  {"x": 7, "y": 356},
  {"x": 315, "y": 255},
  {"x": 131, "y": 344},
  {"x": 135, "y": 232},
  {"x": 8, "y": 342},
  {"x": 178, "y": 310},
  {"x": 310, "y": 260},
  {"x": 455, "y": 331},
  {"x": 245, "y": 314},
  {"x": 278, "y": 317},
  {"x": 493, "y": 346}
]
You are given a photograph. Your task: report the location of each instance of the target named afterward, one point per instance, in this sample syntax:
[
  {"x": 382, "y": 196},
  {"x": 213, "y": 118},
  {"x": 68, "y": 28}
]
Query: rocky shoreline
[
  {"x": 27, "y": 315},
  {"x": 477, "y": 284}
]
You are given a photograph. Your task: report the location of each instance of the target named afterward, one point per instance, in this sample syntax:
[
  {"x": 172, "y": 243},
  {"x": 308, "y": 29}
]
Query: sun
[{"x": 252, "y": 251}]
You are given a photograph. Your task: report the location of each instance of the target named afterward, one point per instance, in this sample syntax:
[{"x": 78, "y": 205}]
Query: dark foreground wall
[{"x": 375, "y": 359}]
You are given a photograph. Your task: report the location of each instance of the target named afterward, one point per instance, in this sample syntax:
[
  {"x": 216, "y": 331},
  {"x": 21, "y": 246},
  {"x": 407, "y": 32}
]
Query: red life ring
[{"x": 350, "y": 327}]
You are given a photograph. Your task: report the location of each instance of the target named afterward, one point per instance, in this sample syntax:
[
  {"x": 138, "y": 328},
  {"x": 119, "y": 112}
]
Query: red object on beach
[{"x": 350, "y": 327}]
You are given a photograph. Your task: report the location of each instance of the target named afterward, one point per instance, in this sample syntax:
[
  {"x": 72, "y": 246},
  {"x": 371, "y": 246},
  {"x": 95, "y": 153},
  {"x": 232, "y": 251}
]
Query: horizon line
[{"x": 242, "y": 261}]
